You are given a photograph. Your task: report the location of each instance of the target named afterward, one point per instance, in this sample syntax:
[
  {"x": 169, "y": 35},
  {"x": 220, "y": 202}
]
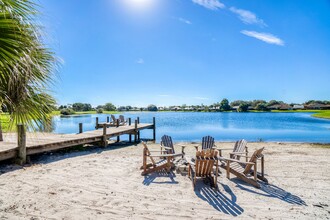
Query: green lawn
[
  {"x": 4, "y": 119},
  {"x": 322, "y": 114}
]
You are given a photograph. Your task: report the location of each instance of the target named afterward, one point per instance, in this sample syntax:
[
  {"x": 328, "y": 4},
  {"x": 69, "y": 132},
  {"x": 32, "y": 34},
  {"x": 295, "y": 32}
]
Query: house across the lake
[
  {"x": 298, "y": 107},
  {"x": 317, "y": 106}
]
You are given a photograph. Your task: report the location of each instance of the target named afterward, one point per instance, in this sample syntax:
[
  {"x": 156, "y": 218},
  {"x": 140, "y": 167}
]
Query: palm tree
[{"x": 26, "y": 64}]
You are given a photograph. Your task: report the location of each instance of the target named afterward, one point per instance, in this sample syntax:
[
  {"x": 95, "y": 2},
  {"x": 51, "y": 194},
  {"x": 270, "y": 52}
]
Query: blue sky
[{"x": 140, "y": 52}]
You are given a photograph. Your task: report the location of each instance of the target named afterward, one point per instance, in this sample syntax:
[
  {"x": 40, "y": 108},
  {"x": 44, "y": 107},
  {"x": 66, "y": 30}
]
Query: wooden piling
[
  {"x": 80, "y": 128},
  {"x": 21, "y": 142},
  {"x": 97, "y": 123},
  {"x": 138, "y": 132},
  {"x": 108, "y": 119},
  {"x": 135, "y": 131},
  {"x": 105, "y": 143},
  {"x": 130, "y": 135},
  {"x": 154, "y": 128},
  {"x": 117, "y": 122}
]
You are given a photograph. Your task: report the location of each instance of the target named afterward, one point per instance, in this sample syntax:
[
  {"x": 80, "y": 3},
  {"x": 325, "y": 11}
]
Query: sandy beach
[{"x": 106, "y": 183}]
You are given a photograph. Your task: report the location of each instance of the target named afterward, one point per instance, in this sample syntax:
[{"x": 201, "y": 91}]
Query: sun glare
[{"x": 140, "y": 4}]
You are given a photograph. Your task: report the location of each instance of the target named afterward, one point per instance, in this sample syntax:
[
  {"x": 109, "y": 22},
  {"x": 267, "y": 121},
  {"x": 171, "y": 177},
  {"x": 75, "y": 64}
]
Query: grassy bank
[
  {"x": 322, "y": 114},
  {"x": 4, "y": 119},
  {"x": 318, "y": 113}
]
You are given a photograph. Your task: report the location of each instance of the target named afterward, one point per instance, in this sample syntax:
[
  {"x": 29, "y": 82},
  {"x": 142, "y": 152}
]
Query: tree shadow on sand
[
  {"x": 218, "y": 199},
  {"x": 168, "y": 176},
  {"x": 271, "y": 191}
]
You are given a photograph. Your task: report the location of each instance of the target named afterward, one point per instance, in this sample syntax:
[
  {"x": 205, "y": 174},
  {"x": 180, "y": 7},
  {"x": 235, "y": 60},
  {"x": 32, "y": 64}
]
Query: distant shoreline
[{"x": 324, "y": 114}]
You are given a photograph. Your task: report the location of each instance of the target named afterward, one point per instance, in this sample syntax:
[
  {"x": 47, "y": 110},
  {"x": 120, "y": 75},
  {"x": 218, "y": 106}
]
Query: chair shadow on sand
[
  {"x": 150, "y": 178},
  {"x": 271, "y": 191},
  {"x": 218, "y": 199}
]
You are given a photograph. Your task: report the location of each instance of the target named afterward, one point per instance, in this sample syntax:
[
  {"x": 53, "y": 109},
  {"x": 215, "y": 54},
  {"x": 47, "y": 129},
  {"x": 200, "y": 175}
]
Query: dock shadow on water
[
  {"x": 219, "y": 200},
  {"x": 167, "y": 178},
  {"x": 272, "y": 191}
]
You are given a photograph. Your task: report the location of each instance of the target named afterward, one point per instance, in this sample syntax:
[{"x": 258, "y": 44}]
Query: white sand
[{"x": 107, "y": 184}]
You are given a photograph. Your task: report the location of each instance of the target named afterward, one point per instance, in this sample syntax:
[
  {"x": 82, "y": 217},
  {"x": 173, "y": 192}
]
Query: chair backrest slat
[
  {"x": 239, "y": 147},
  {"x": 253, "y": 159},
  {"x": 166, "y": 141},
  {"x": 207, "y": 142},
  {"x": 205, "y": 160}
]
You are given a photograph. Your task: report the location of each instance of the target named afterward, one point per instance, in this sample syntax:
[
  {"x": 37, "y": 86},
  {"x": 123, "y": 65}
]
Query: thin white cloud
[
  {"x": 184, "y": 21},
  {"x": 201, "y": 98},
  {"x": 266, "y": 37},
  {"x": 248, "y": 17},
  {"x": 139, "y": 61},
  {"x": 210, "y": 4},
  {"x": 164, "y": 95}
]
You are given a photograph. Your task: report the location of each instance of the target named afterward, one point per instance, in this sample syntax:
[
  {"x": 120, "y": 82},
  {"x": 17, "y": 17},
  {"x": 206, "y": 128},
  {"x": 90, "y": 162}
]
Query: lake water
[{"x": 228, "y": 126}]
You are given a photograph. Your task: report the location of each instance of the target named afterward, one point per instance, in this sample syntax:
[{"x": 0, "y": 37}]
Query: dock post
[
  {"x": 138, "y": 132},
  {"x": 154, "y": 128},
  {"x": 117, "y": 122},
  {"x": 97, "y": 123},
  {"x": 1, "y": 137},
  {"x": 108, "y": 119},
  {"x": 21, "y": 142},
  {"x": 135, "y": 132},
  {"x": 130, "y": 135},
  {"x": 80, "y": 128},
  {"x": 105, "y": 143}
]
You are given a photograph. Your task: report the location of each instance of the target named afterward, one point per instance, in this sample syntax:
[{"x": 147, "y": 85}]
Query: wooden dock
[{"x": 24, "y": 144}]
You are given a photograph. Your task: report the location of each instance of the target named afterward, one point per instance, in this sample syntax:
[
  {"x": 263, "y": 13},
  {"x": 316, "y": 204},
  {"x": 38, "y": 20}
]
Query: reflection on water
[{"x": 192, "y": 126}]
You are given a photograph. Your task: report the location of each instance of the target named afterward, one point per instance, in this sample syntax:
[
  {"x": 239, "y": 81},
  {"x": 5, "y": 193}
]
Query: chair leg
[
  {"x": 228, "y": 168},
  {"x": 262, "y": 167},
  {"x": 255, "y": 172},
  {"x": 216, "y": 175}
]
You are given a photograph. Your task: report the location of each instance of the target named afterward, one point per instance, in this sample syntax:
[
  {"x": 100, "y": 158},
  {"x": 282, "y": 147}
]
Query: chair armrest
[
  {"x": 224, "y": 148},
  {"x": 237, "y": 153},
  {"x": 157, "y": 151},
  {"x": 165, "y": 155},
  {"x": 232, "y": 160},
  {"x": 189, "y": 160}
]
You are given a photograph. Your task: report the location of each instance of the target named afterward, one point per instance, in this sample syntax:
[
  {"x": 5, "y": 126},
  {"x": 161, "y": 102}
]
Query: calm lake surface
[{"x": 229, "y": 126}]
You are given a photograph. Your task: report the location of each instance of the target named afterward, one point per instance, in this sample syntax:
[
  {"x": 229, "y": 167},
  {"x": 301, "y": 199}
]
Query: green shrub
[
  {"x": 67, "y": 111},
  {"x": 99, "y": 110}
]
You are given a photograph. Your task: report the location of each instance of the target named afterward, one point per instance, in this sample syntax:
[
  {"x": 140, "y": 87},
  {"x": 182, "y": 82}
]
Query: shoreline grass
[{"x": 322, "y": 114}]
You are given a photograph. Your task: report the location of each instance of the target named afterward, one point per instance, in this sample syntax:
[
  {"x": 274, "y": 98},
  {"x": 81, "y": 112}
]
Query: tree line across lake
[{"x": 224, "y": 105}]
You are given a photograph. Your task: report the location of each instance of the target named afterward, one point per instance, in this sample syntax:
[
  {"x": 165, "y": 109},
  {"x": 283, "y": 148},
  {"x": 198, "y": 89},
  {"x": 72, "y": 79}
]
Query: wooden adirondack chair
[
  {"x": 166, "y": 144},
  {"x": 122, "y": 120},
  {"x": 203, "y": 166},
  {"x": 207, "y": 143},
  {"x": 114, "y": 120},
  {"x": 243, "y": 170},
  {"x": 240, "y": 148},
  {"x": 165, "y": 163}
]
